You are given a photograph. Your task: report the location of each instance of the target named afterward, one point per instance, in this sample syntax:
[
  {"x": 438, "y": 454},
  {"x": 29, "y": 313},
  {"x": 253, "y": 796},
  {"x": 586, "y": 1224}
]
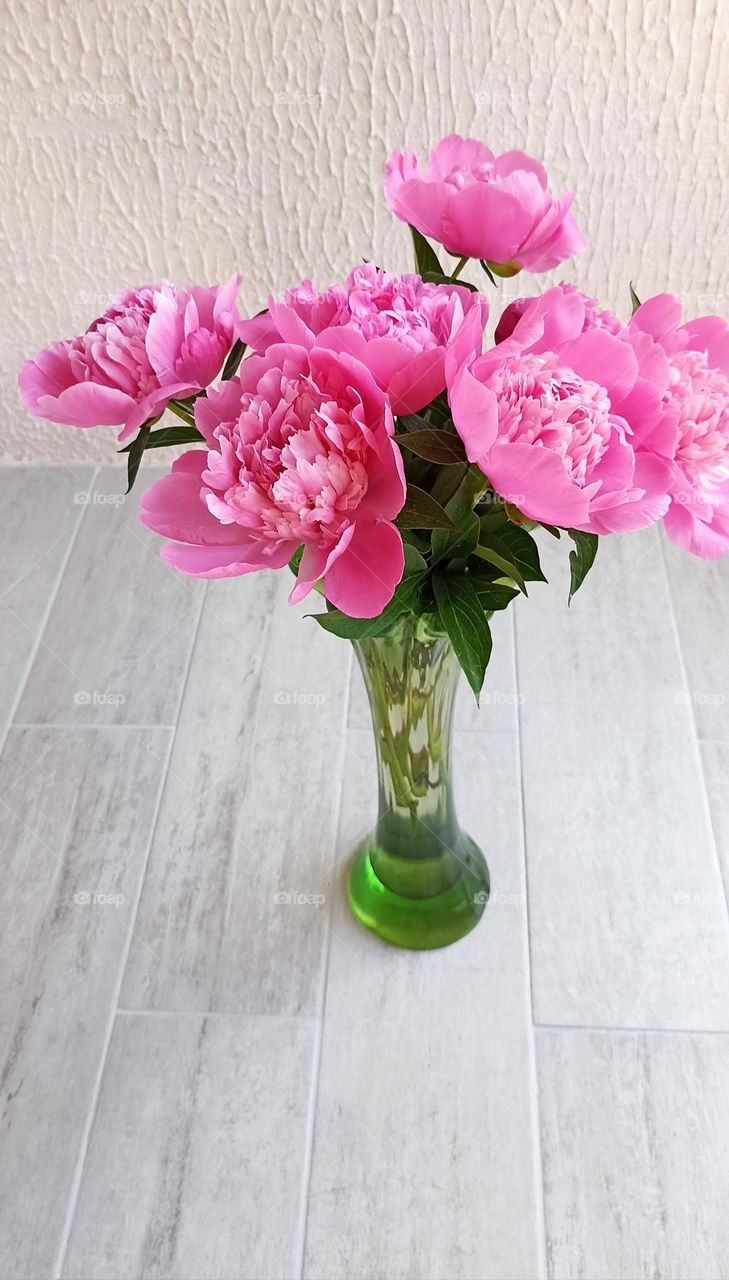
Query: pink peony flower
[
  {"x": 300, "y": 449},
  {"x": 398, "y": 326},
  {"x": 595, "y": 316},
  {"x": 547, "y": 416},
  {"x": 478, "y": 205},
  {"x": 152, "y": 345},
  {"x": 690, "y": 422}
]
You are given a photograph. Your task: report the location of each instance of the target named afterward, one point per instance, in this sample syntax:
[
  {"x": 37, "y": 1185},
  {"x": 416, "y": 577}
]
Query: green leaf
[
  {"x": 413, "y": 422},
  {"x": 405, "y": 600},
  {"x": 168, "y": 436},
  {"x": 422, "y": 512},
  {"x": 295, "y": 560},
  {"x": 489, "y": 272},
  {"x": 136, "y": 452},
  {"x": 524, "y": 552},
  {"x": 235, "y": 355},
  {"x": 460, "y": 541},
  {"x": 413, "y": 539},
  {"x": 433, "y": 445},
  {"x": 495, "y": 551},
  {"x": 551, "y": 528},
  {"x": 581, "y": 559},
  {"x": 437, "y": 277},
  {"x": 492, "y": 595},
  {"x": 426, "y": 259},
  {"x": 183, "y": 409},
  {"x": 635, "y": 303},
  {"x": 464, "y": 621}
]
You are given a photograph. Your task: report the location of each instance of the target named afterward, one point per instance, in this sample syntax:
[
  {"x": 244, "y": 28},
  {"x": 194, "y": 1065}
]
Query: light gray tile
[
  {"x": 76, "y": 811},
  {"x": 636, "y": 1159},
  {"x": 196, "y": 1160},
  {"x": 249, "y": 813},
  {"x": 118, "y": 639},
  {"x": 424, "y": 1159},
  {"x": 700, "y": 592},
  {"x": 628, "y": 920},
  {"x": 715, "y": 758},
  {"x": 40, "y": 508}
]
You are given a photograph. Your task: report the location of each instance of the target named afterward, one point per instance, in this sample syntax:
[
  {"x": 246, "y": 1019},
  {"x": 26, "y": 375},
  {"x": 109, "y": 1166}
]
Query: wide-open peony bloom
[
  {"x": 153, "y": 344},
  {"x": 548, "y": 416},
  {"x": 478, "y": 205},
  {"x": 690, "y": 421},
  {"x": 398, "y": 326},
  {"x": 300, "y": 449}
]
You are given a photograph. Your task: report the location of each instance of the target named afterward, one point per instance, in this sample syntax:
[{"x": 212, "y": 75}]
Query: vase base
[{"x": 422, "y": 923}]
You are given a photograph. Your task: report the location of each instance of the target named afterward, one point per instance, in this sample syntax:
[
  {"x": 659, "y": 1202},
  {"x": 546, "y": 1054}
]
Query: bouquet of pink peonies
[{"x": 362, "y": 436}]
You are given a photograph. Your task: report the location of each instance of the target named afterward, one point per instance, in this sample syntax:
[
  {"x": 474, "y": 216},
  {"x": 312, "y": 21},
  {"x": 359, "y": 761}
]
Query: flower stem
[
  {"x": 459, "y": 267},
  {"x": 182, "y": 412}
]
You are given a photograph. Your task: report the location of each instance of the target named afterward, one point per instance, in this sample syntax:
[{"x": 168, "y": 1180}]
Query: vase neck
[{"x": 411, "y": 680}]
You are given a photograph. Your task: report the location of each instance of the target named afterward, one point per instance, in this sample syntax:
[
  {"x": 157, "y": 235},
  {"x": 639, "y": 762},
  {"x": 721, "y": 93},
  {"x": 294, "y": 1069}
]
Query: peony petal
[
  {"x": 484, "y": 221},
  {"x": 422, "y": 205},
  {"x": 475, "y": 414},
  {"x": 604, "y": 359},
  {"x": 173, "y": 507},
  {"x": 227, "y": 562},
  {"x": 85, "y": 404},
  {"x": 709, "y": 334},
  {"x": 419, "y": 380},
  {"x": 537, "y": 482},
  {"x": 658, "y": 316},
  {"x": 455, "y": 152},
  {"x": 694, "y": 535},
  {"x": 517, "y": 161},
  {"x": 363, "y": 579}
]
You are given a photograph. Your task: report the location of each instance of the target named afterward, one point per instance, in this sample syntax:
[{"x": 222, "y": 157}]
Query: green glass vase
[{"x": 418, "y": 880}]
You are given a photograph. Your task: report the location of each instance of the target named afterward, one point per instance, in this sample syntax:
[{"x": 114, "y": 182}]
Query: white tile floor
[{"x": 201, "y": 1080}]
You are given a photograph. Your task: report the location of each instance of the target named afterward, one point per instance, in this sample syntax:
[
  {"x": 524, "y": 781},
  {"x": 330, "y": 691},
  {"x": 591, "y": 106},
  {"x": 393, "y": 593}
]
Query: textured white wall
[{"x": 145, "y": 139}]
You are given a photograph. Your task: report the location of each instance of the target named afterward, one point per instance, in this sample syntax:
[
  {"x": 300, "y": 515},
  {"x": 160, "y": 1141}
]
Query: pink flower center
[
  {"x": 545, "y": 403},
  {"x": 701, "y": 396},
  {"x": 381, "y": 305},
  {"x": 298, "y": 465},
  {"x": 113, "y": 350},
  {"x": 460, "y": 177}
]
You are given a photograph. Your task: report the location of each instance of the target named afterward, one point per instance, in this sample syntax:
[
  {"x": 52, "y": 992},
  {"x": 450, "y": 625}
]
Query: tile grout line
[
  {"x": 537, "y": 1155},
  {"x": 96, "y": 1088},
  {"x": 317, "y": 1057},
  {"x": 604, "y": 1029},
  {"x": 52, "y": 597},
  {"x": 696, "y": 741}
]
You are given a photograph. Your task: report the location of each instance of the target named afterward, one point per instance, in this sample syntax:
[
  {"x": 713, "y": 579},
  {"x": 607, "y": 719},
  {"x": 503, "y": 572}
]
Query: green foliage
[
  {"x": 237, "y": 351},
  {"x": 442, "y": 447},
  {"x": 465, "y": 624},
  {"x": 582, "y": 558},
  {"x": 421, "y": 511},
  {"x": 405, "y": 600},
  {"x": 426, "y": 259},
  {"x": 167, "y": 436}
]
